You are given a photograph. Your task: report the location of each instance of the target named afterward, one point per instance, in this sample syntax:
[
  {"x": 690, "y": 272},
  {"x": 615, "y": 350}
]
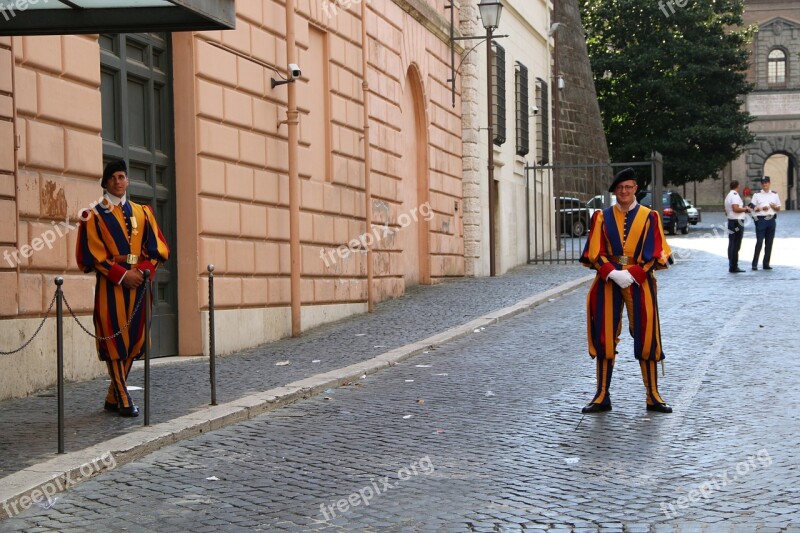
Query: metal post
[
  {"x": 60, "y": 360},
  {"x": 211, "y": 349},
  {"x": 147, "y": 313},
  {"x": 452, "y": 80},
  {"x": 491, "y": 150},
  {"x": 528, "y": 210},
  {"x": 657, "y": 185}
]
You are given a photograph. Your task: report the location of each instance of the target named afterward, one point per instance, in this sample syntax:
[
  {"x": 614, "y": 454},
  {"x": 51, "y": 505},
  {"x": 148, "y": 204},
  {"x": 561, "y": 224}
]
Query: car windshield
[
  {"x": 646, "y": 198},
  {"x": 598, "y": 201}
]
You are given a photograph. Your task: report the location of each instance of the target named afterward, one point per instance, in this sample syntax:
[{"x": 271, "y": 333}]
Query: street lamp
[
  {"x": 490, "y": 13},
  {"x": 490, "y": 17}
]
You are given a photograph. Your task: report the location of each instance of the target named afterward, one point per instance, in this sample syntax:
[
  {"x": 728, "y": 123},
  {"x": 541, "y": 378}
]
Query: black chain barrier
[
  {"x": 35, "y": 333},
  {"x": 117, "y": 334},
  {"x": 59, "y": 297}
]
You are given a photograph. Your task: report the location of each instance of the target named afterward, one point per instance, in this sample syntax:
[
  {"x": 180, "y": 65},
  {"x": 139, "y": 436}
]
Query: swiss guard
[
  {"x": 625, "y": 245},
  {"x": 118, "y": 240}
]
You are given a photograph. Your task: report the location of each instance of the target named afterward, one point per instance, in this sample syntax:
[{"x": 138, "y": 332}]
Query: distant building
[
  {"x": 521, "y": 109},
  {"x": 775, "y": 104}
]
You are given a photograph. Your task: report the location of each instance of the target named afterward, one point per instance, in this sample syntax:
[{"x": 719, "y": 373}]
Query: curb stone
[{"x": 30, "y": 486}]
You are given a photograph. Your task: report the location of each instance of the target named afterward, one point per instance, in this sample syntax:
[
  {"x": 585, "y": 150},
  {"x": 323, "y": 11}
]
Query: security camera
[{"x": 294, "y": 73}]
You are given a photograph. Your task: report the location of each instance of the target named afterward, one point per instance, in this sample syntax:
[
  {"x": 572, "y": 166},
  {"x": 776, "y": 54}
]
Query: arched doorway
[
  {"x": 780, "y": 168},
  {"x": 413, "y": 187},
  {"x": 776, "y": 154}
]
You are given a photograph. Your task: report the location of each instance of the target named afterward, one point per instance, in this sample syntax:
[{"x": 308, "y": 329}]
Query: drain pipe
[
  {"x": 294, "y": 175},
  {"x": 367, "y": 156}
]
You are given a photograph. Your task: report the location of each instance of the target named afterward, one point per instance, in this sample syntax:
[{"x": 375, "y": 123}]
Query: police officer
[
  {"x": 765, "y": 205},
  {"x": 736, "y": 212}
]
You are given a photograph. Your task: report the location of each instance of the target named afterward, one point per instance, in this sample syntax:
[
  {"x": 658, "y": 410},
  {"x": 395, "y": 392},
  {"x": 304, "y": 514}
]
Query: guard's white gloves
[{"x": 623, "y": 278}]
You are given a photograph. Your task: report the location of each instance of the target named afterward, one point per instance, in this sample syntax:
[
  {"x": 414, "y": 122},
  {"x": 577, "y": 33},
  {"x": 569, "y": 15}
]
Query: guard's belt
[{"x": 622, "y": 260}]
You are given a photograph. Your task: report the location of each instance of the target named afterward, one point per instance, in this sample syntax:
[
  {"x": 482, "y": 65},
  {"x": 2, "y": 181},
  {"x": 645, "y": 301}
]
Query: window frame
[{"x": 784, "y": 60}]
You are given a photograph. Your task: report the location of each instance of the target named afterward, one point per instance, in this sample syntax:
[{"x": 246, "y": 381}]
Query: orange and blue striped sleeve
[{"x": 92, "y": 251}]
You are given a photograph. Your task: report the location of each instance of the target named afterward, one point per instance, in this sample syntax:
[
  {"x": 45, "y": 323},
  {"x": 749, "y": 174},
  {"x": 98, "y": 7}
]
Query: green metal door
[{"x": 136, "y": 84}]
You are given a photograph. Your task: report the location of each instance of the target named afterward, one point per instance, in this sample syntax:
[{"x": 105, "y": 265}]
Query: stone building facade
[
  {"x": 775, "y": 105},
  {"x": 206, "y": 137},
  {"x": 523, "y": 78}
]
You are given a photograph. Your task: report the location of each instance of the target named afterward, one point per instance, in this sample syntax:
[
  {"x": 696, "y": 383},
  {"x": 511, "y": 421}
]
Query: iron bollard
[
  {"x": 60, "y": 360},
  {"x": 211, "y": 349},
  {"x": 147, "y": 313}
]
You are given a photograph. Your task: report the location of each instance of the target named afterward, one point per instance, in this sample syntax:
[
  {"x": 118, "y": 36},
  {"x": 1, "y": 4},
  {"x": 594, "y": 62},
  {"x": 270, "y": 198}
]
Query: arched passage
[
  {"x": 413, "y": 188},
  {"x": 776, "y": 157}
]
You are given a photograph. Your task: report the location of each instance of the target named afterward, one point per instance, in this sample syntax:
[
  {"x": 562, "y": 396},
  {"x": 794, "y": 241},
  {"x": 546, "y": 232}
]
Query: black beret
[
  {"x": 622, "y": 175},
  {"x": 111, "y": 168},
  {"x": 765, "y": 179}
]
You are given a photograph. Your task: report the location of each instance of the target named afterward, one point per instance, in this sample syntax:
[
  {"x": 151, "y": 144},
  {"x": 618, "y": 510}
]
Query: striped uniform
[
  {"x": 107, "y": 231},
  {"x": 637, "y": 234}
]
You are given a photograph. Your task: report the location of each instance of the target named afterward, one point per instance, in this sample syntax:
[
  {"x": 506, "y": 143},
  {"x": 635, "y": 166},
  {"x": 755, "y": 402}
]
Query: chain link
[
  {"x": 117, "y": 334},
  {"x": 71, "y": 312},
  {"x": 35, "y": 333}
]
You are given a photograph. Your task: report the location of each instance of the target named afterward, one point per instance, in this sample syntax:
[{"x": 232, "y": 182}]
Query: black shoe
[
  {"x": 767, "y": 267},
  {"x": 108, "y": 406},
  {"x": 596, "y": 408},
  {"x": 755, "y": 267},
  {"x": 735, "y": 270},
  {"x": 129, "y": 412},
  {"x": 659, "y": 407}
]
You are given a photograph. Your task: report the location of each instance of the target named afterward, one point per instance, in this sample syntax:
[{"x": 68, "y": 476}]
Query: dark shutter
[
  {"x": 499, "y": 94},
  {"x": 542, "y": 122},
  {"x": 523, "y": 120}
]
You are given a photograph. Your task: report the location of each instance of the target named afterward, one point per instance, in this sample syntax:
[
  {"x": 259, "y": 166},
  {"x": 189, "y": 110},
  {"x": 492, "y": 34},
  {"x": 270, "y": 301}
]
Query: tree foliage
[{"x": 670, "y": 79}]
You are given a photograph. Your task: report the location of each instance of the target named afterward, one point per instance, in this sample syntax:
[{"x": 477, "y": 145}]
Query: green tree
[{"x": 671, "y": 79}]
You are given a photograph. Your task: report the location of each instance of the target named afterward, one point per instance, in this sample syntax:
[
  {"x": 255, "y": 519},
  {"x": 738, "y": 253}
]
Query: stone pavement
[
  {"x": 485, "y": 433},
  {"x": 28, "y": 426}
]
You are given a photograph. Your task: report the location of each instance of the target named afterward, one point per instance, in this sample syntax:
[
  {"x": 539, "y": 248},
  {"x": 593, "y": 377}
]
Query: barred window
[
  {"x": 523, "y": 120},
  {"x": 499, "y": 93}
]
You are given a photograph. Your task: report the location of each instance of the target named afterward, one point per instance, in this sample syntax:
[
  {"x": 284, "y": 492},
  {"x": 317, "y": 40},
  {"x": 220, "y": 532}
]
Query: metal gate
[{"x": 561, "y": 200}]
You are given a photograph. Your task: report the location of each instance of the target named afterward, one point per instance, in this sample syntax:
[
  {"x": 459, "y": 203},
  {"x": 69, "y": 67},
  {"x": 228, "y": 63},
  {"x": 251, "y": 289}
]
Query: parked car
[
  {"x": 598, "y": 202},
  {"x": 693, "y": 212},
  {"x": 574, "y": 216},
  {"x": 673, "y": 215}
]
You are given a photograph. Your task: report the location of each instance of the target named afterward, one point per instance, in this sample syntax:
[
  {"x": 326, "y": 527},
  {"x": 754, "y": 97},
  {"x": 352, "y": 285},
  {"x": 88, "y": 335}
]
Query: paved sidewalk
[{"x": 181, "y": 391}]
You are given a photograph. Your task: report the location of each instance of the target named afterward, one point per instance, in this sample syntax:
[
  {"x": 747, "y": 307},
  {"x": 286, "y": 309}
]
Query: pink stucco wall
[{"x": 232, "y": 157}]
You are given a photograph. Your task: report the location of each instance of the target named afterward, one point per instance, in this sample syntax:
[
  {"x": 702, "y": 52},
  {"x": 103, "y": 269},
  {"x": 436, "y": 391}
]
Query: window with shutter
[
  {"x": 523, "y": 115},
  {"x": 499, "y": 93},
  {"x": 542, "y": 123}
]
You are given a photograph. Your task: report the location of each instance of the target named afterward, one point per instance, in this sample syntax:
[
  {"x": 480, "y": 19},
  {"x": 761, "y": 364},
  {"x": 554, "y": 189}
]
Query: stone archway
[
  {"x": 765, "y": 147},
  {"x": 413, "y": 188}
]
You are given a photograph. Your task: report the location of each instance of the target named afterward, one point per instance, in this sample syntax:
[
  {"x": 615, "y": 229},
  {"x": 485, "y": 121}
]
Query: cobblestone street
[{"x": 486, "y": 434}]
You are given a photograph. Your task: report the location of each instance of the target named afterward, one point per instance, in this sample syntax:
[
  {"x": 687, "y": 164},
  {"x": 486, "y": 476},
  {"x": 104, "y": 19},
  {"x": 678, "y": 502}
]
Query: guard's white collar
[
  {"x": 114, "y": 200},
  {"x": 630, "y": 208}
]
